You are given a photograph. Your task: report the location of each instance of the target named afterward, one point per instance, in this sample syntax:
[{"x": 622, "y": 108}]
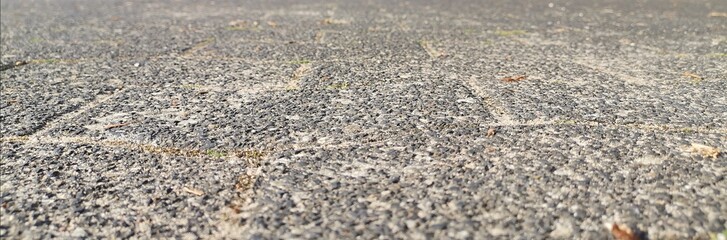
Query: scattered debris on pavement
[
  {"x": 12, "y": 65},
  {"x": 242, "y": 25},
  {"x": 491, "y": 132},
  {"x": 623, "y": 233},
  {"x": 693, "y": 76},
  {"x": 704, "y": 150},
  {"x": 193, "y": 191},
  {"x": 245, "y": 182},
  {"x": 514, "y": 78},
  {"x": 107, "y": 127},
  {"x": 331, "y": 21},
  {"x": 431, "y": 51}
]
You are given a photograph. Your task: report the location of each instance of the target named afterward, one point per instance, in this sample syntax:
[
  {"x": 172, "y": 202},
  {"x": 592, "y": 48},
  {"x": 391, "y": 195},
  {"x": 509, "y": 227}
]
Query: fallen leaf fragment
[
  {"x": 491, "y": 132},
  {"x": 717, "y": 14},
  {"x": 704, "y": 150},
  {"x": 623, "y": 233},
  {"x": 514, "y": 78},
  {"x": 692, "y": 76},
  {"x": 193, "y": 191}
]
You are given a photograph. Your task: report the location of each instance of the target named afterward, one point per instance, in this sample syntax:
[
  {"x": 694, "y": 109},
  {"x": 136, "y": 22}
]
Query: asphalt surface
[{"x": 363, "y": 119}]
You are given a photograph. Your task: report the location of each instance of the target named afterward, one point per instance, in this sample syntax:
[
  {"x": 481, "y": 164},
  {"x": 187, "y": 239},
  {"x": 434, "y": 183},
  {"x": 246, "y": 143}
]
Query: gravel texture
[{"x": 362, "y": 119}]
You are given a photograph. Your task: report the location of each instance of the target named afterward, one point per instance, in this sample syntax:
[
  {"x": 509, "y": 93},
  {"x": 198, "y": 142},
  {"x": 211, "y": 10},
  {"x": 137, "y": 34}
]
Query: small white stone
[
  {"x": 564, "y": 172},
  {"x": 411, "y": 224},
  {"x": 563, "y": 229},
  {"x": 463, "y": 234},
  {"x": 498, "y": 231},
  {"x": 78, "y": 233},
  {"x": 466, "y": 100},
  {"x": 343, "y": 101},
  {"x": 649, "y": 160}
]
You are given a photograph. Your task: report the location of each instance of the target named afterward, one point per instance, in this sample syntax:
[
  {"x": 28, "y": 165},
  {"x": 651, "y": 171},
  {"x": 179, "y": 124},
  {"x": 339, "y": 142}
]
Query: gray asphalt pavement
[{"x": 372, "y": 119}]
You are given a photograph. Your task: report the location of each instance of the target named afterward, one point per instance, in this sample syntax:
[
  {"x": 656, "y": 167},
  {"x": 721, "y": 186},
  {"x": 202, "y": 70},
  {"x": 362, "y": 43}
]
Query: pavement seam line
[
  {"x": 198, "y": 46},
  {"x": 220, "y": 58},
  {"x": 122, "y": 143},
  {"x": 299, "y": 73},
  {"x": 498, "y": 110},
  {"x": 431, "y": 51},
  {"x": 143, "y": 147},
  {"x": 38, "y": 135},
  {"x": 320, "y": 37},
  {"x": 624, "y": 77}
]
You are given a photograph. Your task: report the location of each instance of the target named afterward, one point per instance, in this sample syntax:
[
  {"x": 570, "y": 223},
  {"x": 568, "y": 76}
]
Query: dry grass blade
[
  {"x": 107, "y": 127},
  {"x": 193, "y": 191},
  {"x": 514, "y": 79},
  {"x": 704, "y": 150},
  {"x": 431, "y": 51},
  {"x": 623, "y": 233},
  {"x": 197, "y": 47},
  {"x": 14, "y": 139},
  {"x": 692, "y": 76}
]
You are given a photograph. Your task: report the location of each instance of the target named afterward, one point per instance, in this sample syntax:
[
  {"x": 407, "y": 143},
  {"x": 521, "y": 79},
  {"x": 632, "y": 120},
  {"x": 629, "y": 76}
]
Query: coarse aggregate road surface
[{"x": 315, "y": 119}]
